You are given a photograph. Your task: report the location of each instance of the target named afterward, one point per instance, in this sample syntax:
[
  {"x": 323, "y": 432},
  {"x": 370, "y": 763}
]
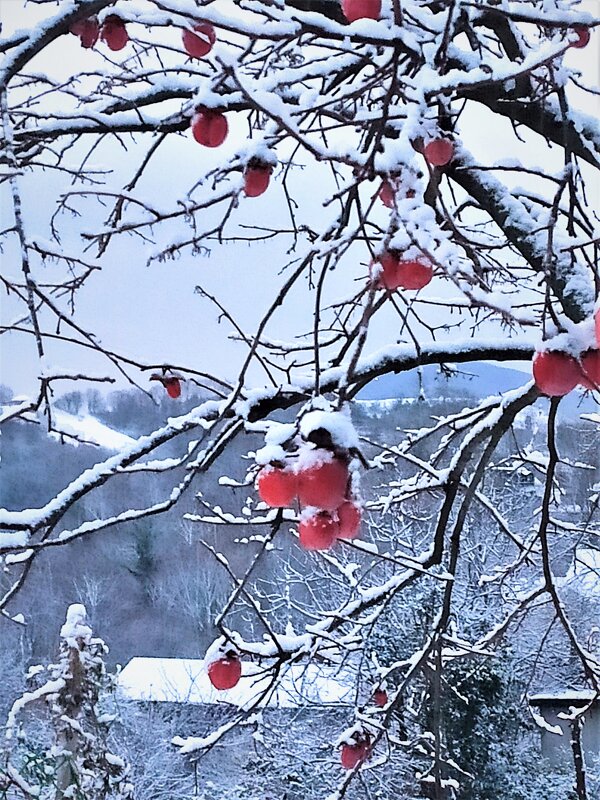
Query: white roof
[
  {"x": 184, "y": 680},
  {"x": 561, "y": 697}
]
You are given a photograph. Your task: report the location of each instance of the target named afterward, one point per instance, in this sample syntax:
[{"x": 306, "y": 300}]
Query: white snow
[
  {"x": 584, "y": 573},
  {"x": 76, "y": 628},
  {"x": 185, "y": 680},
  {"x": 89, "y": 430},
  {"x": 337, "y": 423},
  {"x": 542, "y": 723}
]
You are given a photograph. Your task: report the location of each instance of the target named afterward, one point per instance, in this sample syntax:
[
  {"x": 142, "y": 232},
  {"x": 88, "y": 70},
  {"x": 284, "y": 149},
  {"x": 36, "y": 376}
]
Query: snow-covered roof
[
  {"x": 577, "y": 696},
  {"x": 184, "y": 680}
]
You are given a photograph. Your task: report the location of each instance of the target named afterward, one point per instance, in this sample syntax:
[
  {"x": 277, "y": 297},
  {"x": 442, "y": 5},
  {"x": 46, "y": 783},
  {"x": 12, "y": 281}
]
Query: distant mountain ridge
[
  {"x": 478, "y": 379},
  {"x": 474, "y": 380}
]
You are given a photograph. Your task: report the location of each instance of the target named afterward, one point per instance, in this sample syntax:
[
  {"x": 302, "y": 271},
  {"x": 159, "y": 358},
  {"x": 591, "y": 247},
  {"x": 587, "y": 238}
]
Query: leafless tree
[{"x": 383, "y": 120}]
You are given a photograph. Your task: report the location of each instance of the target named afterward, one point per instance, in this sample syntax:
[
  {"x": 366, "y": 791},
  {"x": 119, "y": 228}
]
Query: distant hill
[{"x": 478, "y": 379}]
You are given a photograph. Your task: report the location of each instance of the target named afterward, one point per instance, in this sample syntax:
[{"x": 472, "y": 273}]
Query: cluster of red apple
[
  {"x": 210, "y": 129},
  {"x": 112, "y": 31},
  {"x": 557, "y": 373},
  {"x": 321, "y": 488}
]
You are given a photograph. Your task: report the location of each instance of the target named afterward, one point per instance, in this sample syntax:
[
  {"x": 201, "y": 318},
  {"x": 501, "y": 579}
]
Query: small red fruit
[
  {"x": 583, "y": 37},
  {"x": 361, "y": 9},
  {"x": 597, "y": 324},
  {"x": 88, "y": 31},
  {"x": 114, "y": 32},
  {"x": 199, "y": 43},
  {"x": 173, "y": 386},
  {"x": 277, "y": 487},
  {"x": 349, "y": 517},
  {"x": 388, "y": 276},
  {"x": 414, "y": 274},
  {"x": 209, "y": 128},
  {"x": 555, "y": 373},
  {"x": 225, "y": 673},
  {"x": 380, "y": 697},
  {"x": 318, "y": 532},
  {"x": 397, "y": 274},
  {"x": 590, "y": 369},
  {"x": 353, "y": 754},
  {"x": 323, "y": 485},
  {"x": 387, "y": 194},
  {"x": 438, "y": 152},
  {"x": 256, "y": 180}
]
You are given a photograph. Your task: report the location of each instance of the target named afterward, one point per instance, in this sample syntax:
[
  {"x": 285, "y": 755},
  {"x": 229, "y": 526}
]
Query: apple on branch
[
  {"x": 380, "y": 697},
  {"x": 395, "y": 272},
  {"x": 199, "y": 42},
  {"x": 590, "y": 370},
  {"x": 171, "y": 382},
  {"x": 317, "y": 530},
  {"x": 583, "y": 36},
  {"x": 361, "y": 9},
  {"x": 225, "y": 672},
  {"x": 114, "y": 32},
  {"x": 555, "y": 373},
  {"x": 324, "y": 483},
  {"x": 209, "y": 127},
  {"x": 353, "y": 754},
  {"x": 387, "y": 193},
  {"x": 349, "y": 519},
  {"x": 438, "y": 152},
  {"x": 88, "y": 31},
  {"x": 277, "y": 487},
  {"x": 257, "y": 176}
]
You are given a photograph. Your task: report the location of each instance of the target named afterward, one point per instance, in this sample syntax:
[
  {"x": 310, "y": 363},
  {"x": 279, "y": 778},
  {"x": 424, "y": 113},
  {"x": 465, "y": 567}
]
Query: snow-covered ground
[
  {"x": 185, "y": 680},
  {"x": 80, "y": 429}
]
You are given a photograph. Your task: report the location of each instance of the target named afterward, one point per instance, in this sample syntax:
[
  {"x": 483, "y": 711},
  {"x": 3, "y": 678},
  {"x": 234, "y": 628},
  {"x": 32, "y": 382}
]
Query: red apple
[
  {"x": 225, "y": 673},
  {"x": 388, "y": 277},
  {"x": 380, "y": 697},
  {"x": 318, "y": 532},
  {"x": 361, "y": 9},
  {"x": 387, "y": 194},
  {"x": 583, "y": 37},
  {"x": 323, "y": 485},
  {"x": 173, "y": 386},
  {"x": 256, "y": 180},
  {"x": 438, "y": 152},
  {"x": 200, "y": 45},
  {"x": 590, "y": 369},
  {"x": 349, "y": 517},
  {"x": 555, "y": 373},
  {"x": 209, "y": 127},
  {"x": 114, "y": 32},
  {"x": 88, "y": 31},
  {"x": 353, "y": 754},
  {"x": 413, "y": 275},
  {"x": 277, "y": 487}
]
